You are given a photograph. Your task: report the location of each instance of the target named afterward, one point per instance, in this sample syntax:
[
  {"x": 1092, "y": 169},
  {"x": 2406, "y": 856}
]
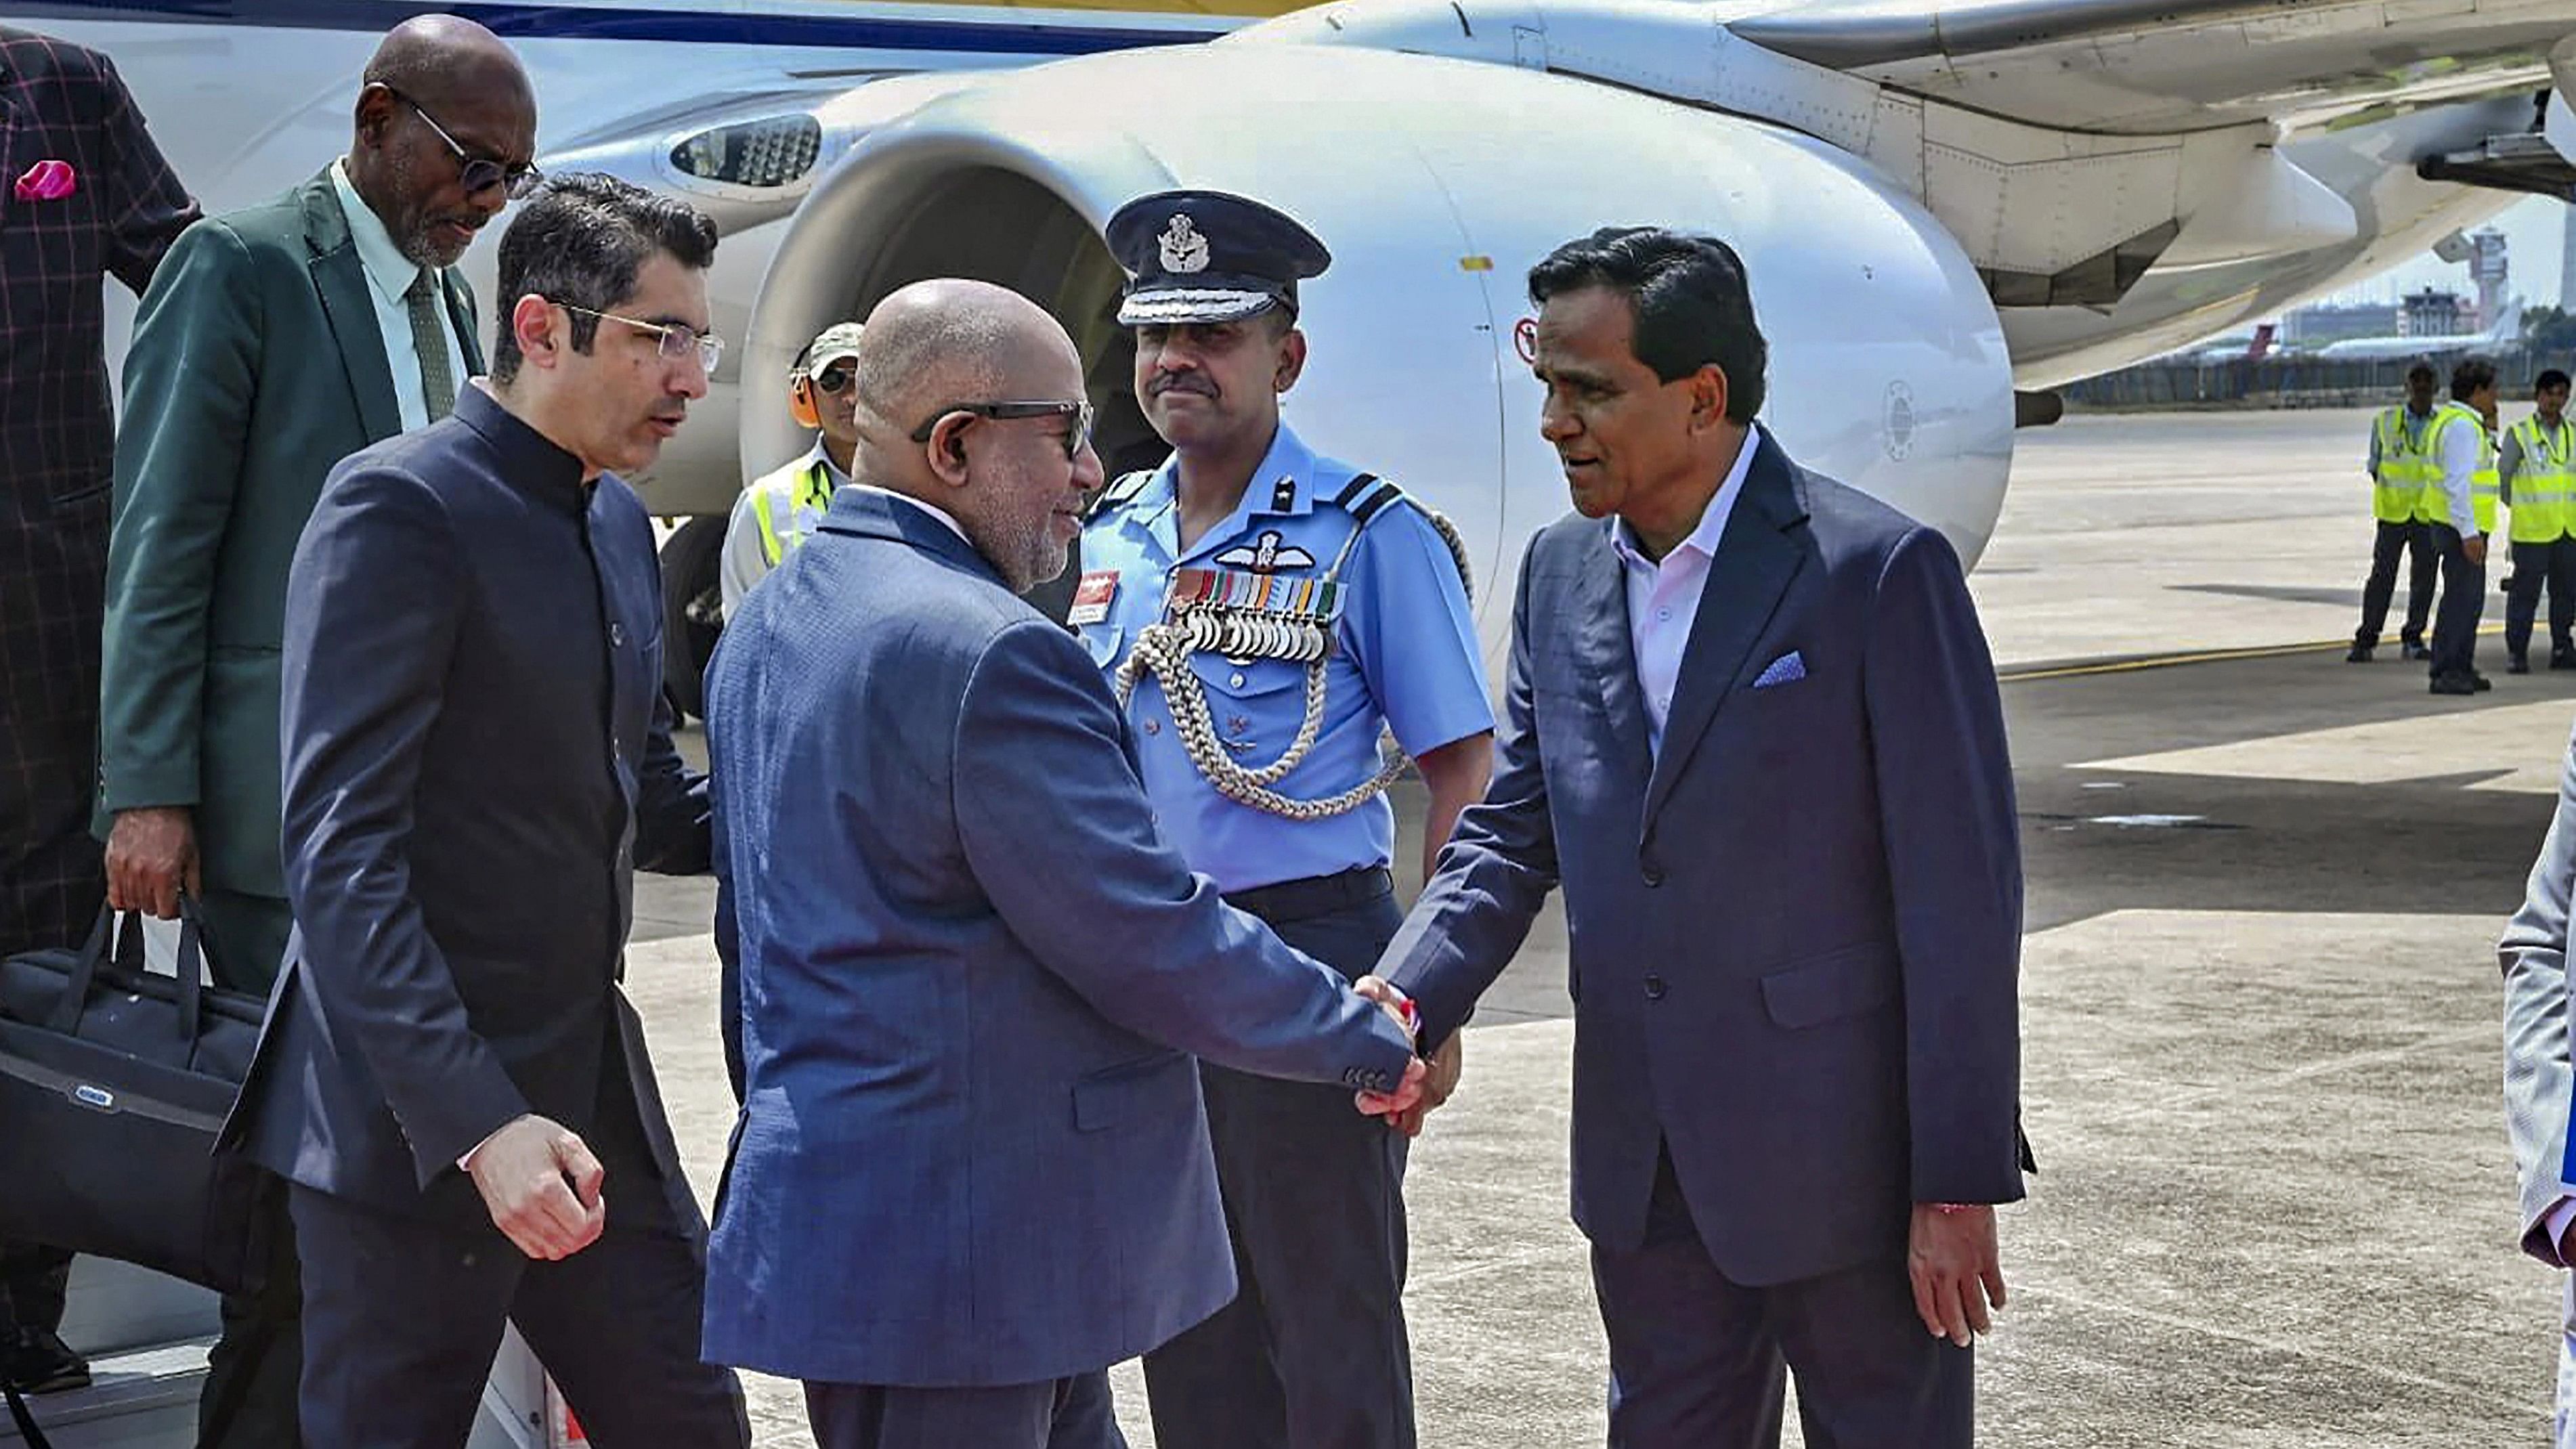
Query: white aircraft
[
  {"x": 1940, "y": 206},
  {"x": 1946, "y": 209},
  {"x": 2504, "y": 331}
]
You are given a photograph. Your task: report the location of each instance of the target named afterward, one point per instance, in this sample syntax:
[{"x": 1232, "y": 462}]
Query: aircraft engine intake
[{"x": 1437, "y": 184}]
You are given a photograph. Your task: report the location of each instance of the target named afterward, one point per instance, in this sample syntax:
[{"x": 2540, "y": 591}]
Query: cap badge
[{"x": 1184, "y": 250}]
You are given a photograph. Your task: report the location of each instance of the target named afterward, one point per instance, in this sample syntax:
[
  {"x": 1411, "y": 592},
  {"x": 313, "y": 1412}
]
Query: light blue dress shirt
[{"x": 1404, "y": 658}]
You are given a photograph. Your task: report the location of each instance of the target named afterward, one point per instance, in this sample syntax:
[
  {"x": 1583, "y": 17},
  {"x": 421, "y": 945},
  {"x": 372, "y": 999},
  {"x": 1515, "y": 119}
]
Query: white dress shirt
[
  {"x": 932, "y": 509},
  {"x": 2460, "y": 450},
  {"x": 389, "y": 275},
  {"x": 1663, "y": 595}
]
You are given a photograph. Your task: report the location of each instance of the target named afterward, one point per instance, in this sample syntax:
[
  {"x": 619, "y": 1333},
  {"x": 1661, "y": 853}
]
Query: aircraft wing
[{"x": 2161, "y": 66}]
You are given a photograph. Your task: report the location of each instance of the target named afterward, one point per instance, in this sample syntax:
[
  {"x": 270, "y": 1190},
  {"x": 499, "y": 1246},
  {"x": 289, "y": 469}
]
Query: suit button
[
  {"x": 1654, "y": 876},
  {"x": 1654, "y": 988},
  {"x": 616, "y": 634}
]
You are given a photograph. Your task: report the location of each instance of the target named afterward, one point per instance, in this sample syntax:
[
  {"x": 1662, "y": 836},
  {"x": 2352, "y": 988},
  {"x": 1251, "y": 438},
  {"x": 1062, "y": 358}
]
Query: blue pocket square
[{"x": 1789, "y": 668}]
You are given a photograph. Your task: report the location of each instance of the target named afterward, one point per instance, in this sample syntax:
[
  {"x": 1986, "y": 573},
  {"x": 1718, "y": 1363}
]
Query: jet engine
[{"x": 1436, "y": 183}]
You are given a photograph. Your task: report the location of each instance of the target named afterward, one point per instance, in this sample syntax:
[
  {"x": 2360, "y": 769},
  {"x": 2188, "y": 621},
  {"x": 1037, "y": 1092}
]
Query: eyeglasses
[
  {"x": 479, "y": 173},
  {"x": 836, "y": 377},
  {"x": 678, "y": 341},
  {"x": 1075, "y": 437}
]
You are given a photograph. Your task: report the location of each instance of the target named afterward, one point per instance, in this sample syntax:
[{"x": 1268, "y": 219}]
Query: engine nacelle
[{"x": 1437, "y": 184}]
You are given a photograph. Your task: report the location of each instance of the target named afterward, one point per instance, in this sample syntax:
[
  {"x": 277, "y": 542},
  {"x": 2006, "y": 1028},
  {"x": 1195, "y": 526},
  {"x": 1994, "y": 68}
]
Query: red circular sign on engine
[{"x": 1525, "y": 338}]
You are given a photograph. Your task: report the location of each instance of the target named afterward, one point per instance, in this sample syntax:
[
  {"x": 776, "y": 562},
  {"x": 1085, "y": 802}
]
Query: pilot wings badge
[
  {"x": 1184, "y": 250},
  {"x": 1272, "y": 554}
]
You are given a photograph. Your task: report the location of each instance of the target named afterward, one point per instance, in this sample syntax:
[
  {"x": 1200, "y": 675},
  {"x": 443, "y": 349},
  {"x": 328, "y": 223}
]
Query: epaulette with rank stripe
[
  {"x": 1121, "y": 491},
  {"x": 1366, "y": 497}
]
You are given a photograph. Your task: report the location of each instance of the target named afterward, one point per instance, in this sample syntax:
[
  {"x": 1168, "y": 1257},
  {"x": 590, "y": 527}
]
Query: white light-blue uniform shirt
[{"x": 1404, "y": 657}]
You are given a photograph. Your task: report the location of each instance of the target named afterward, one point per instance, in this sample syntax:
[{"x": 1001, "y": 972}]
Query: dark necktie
[{"x": 429, "y": 344}]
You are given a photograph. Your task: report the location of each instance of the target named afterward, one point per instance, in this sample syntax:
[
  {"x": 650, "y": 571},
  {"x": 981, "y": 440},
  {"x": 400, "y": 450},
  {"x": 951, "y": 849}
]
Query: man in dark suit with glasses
[{"x": 275, "y": 341}]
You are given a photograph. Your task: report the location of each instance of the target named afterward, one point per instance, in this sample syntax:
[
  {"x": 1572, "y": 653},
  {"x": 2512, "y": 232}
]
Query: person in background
[
  {"x": 2462, "y": 501},
  {"x": 2536, "y": 478},
  {"x": 2402, "y": 470},
  {"x": 781, "y": 508},
  {"x": 84, "y": 195}
]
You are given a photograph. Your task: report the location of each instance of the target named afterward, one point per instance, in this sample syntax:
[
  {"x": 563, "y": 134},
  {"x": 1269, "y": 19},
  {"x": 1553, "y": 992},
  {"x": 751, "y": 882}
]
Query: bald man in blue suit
[{"x": 972, "y": 1168}]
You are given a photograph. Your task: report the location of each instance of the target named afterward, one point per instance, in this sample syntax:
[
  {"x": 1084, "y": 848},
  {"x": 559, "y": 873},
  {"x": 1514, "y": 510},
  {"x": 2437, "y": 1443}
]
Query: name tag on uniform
[{"x": 1092, "y": 597}]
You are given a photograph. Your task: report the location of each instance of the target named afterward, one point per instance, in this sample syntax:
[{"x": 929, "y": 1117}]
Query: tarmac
[{"x": 2260, "y": 1002}]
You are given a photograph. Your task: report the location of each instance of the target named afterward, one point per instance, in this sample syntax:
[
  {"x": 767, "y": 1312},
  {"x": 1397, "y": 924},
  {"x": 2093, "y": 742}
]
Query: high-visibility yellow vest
[
  {"x": 2544, "y": 487},
  {"x": 779, "y": 537},
  {"x": 2408, "y": 469},
  {"x": 2482, "y": 481}
]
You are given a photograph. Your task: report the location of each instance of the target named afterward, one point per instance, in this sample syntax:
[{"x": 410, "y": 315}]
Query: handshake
[{"x": 1427, "y": 1082}]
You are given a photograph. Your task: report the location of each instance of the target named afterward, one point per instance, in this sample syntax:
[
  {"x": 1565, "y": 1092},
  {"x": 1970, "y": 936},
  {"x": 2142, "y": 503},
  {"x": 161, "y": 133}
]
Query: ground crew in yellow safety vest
[
  {"x": 2402, "y": 469},
  {"x": 2536, "y": 475},
  {"x": 2463, "y": 505},
  {"x": 776, "y": 513}
]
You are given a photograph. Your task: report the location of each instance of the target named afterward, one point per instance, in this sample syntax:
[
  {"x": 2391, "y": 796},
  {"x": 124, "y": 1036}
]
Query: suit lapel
[
  {"x": 1757, "y": 557},
  {"x": 341, "y": 282},
  {"x": 1605, "y": 648}
]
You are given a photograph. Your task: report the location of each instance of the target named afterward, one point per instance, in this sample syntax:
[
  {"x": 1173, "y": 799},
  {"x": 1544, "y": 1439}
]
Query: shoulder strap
[
  {"x": 1122, "y": 490},
  {"x": 1367, "y": 496}
]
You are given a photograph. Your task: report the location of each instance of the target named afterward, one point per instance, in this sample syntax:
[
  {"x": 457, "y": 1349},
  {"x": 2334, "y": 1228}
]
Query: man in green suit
[{"x": 273, "y": 342}]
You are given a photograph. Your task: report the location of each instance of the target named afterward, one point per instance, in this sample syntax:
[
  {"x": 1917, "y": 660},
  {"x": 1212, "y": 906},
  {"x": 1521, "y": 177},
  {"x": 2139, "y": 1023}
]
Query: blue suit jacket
[
  {"x": 1795, "y": 935},
  {"x": 476, "y": 760},
  {"x": 972, "y": 1149}
]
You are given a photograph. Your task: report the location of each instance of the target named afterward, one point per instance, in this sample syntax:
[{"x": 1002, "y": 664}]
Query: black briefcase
[{"x": 114, "y": 1082}]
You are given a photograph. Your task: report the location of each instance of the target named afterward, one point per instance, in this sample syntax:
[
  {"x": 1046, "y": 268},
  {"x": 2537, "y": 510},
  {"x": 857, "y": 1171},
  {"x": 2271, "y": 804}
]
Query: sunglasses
[
  {"x": 835, "y": 377},
  {"x": 478, "y": 174},
  {"x": 1076, "y": 438}
]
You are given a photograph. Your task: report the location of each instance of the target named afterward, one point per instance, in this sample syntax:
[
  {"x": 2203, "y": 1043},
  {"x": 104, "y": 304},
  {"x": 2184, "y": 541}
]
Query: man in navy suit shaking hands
[
  {"x": 1753, "y": 732},
  {"x": 972, "y": 1169}
]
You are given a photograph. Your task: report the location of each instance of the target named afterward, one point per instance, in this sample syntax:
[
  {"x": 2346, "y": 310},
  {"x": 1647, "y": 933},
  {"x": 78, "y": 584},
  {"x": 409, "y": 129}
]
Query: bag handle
[
  {"x": 75, "y": 997},
  {"x": 190, "y": 967},
  {"x": 28, "y": 1432}
]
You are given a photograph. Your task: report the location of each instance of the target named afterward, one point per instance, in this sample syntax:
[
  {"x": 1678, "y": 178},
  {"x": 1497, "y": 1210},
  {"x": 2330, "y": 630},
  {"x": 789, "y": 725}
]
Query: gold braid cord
[{"x": 1163, "y": 650}]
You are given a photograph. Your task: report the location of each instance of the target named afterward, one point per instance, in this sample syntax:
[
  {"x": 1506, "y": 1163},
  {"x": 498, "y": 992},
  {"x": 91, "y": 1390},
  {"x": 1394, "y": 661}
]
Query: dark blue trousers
[
  {"x": 2464, "y": 600},
  {"x": 1312, "y": 1353},
  {"x": 2414, "y": 543},
  {"x": 1069, "y": 1413},
  {"x": 402, "y": 1316},
  {"x": 1696, "y": 1359},
  {"x": 2535, "y": 566}
]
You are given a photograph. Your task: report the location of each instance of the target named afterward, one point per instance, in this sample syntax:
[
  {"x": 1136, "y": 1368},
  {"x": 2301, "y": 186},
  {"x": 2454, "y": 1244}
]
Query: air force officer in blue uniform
[
  {"x": 1753, "y": 732},
  {"x": 972, "y": 1169},
  {"x": 1313, "y": 568}
]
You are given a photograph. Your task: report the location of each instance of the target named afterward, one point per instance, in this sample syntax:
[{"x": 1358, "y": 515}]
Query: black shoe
[
  {"x": 2517, "y": 665},
  {"x": 2416, "y": 650},
  {"x": 2562, "y": 658},
  {"x": 2360, "y": 654},
  {"x": 39, "y": 1362},
  {"x": 2454, "y": 684},
  {"x": 2480, "y": 682}
]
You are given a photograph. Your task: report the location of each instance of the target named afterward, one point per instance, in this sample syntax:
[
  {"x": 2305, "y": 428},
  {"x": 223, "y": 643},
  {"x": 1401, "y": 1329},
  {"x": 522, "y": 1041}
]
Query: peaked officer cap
[{"x": 1206, "y": 256}]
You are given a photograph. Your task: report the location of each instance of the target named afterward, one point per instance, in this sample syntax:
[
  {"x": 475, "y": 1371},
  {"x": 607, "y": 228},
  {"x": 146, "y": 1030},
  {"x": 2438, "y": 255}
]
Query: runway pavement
[{"x": 2260, "y": 1002}]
